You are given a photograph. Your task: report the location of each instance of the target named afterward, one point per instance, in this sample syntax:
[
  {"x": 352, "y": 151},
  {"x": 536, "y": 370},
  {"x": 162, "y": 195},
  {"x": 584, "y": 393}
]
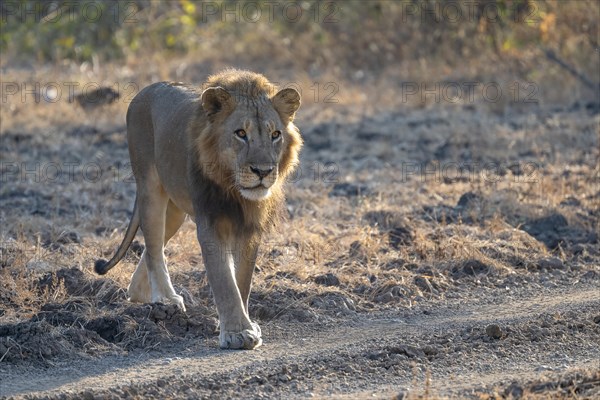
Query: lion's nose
[{"x": 261, "y": 172}]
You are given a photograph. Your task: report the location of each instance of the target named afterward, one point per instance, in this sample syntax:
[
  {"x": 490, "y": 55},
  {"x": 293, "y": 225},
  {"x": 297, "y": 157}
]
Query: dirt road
[{"x": 443, "y": 349}]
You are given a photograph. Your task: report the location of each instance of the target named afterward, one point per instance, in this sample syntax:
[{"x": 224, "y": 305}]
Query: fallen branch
[{"x": 551, "y": 55}]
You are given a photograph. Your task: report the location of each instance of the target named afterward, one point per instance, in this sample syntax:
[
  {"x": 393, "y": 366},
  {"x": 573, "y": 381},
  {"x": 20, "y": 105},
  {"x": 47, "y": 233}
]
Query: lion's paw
[
  {"x": 247, "y": 339},
  {"x": 139, "y": 293},
  {"x": 170, "y": 299}
]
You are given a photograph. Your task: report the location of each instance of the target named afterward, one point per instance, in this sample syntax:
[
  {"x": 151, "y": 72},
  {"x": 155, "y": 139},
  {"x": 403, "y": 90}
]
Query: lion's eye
[
  {"x": 241, "y": 134},
  {"x": 275, "y": 135}
]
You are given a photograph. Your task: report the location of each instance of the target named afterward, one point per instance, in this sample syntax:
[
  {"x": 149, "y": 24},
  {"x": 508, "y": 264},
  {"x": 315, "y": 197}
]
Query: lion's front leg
[
  {"x": 237, "y": 331},
  {"x": 245, "y": 252}
]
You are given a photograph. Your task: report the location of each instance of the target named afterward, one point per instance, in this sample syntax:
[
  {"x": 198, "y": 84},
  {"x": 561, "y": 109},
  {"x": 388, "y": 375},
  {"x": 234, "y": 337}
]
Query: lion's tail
[{"x": 102, "y": 266}]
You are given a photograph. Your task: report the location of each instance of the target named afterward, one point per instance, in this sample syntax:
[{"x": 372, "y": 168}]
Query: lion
[{"x": 221, "y": 156}]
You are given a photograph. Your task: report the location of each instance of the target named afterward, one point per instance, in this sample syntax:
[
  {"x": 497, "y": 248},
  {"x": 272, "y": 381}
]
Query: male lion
[{"x": 221, "y": 157}]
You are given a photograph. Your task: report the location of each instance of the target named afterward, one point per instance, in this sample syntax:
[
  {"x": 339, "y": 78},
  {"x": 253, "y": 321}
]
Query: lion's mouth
[
  {"x": 255, "y": 193},
  {"x": 259, "y": 185}
]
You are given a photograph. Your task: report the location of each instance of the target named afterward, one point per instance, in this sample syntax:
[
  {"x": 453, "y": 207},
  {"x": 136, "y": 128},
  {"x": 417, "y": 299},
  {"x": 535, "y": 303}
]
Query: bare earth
[
  {"x": 480, "y": 282},
  {"x": 380, "y": 354}
]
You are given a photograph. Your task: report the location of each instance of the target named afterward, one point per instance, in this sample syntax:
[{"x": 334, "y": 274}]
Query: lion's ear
[
  {"x": 286, "y": 102},
  {"x": 215, "y": 100}
]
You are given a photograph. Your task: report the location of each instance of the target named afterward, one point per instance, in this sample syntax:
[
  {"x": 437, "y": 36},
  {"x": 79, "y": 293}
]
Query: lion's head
[{"x": 249, "y": 143}]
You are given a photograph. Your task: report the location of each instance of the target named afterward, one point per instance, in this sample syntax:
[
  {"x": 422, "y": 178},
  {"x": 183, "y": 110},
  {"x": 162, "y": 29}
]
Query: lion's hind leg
[
  {"x": 139, "y": 289},
  {"x": 154, "y": 204}
]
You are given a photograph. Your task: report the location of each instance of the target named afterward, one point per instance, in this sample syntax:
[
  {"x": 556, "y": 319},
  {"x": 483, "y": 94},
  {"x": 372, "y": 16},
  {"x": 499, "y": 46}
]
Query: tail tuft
[{"x": 100, "y": 267}]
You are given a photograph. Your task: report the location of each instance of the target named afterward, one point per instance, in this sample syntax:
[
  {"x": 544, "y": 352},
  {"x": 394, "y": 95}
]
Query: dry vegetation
[{"x": 400, "y": 205}]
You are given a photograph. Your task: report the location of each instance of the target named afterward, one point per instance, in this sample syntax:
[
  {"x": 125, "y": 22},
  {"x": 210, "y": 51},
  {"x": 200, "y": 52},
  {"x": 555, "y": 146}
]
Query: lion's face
[{"x": 253, "y": 135}]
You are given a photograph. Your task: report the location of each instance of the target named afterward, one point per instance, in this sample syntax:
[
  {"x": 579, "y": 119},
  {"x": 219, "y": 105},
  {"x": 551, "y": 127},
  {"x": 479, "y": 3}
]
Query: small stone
[
  {"x": 407, "y": 350},
  {"x": 474, "y": 267},
  {"x": 268, "y": 388},
  {"x": 589, "y": 275},
  {"x": 401, "y": 396},
  {"x": 577, "y": 249},
  {"x": 328, "y": 279},
  {"x": 514, "y": 391},
  {"x": 256, "y": 379},
  {"x": 468, "y": 199},
  {"x": 385, "y": 298},
  {"x": 159, "y": 312},
  {"x": 494, "y": 331},
  {"x": 430, "y": 350},
  {"x": 87, "y": 395},
  {"x": 550, "y": 263},
  {"x": 376, "y": 355}
]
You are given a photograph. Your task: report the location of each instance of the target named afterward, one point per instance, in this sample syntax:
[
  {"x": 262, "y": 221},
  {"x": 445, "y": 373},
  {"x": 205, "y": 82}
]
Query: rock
[
  {"x": 328, "y": 279},
  {"x": 332, "y": 301},
  {"x": 161, "y": 383},
  {"x": 407, "y": 350},
  {"x": 401, "y": 396},
  {"x": 377, "y": 355},
  {"x": 577, "y": 249},
  {"x": 382, "y": 219},
  {"x": 256, "y": 379},
  {"x": 548, "y": 230},
  {"x": 385, "y": 298},
  {"x": 469, "y": 199},
  {"x": 88, "y": 395},
  {"x": 514, "y": 391},
  {"x": 470, "y": 267},
  {"x": 430, "y": 350},
  {"x": 589, "y": 275},
  {"x": 493, "y": 331},
  {"x": 550, "y": 263}
]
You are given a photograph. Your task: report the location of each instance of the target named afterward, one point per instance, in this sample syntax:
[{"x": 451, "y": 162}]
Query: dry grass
[
  {"x": 399, "y": 201},
  {"x": 323, "y": 229}
]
